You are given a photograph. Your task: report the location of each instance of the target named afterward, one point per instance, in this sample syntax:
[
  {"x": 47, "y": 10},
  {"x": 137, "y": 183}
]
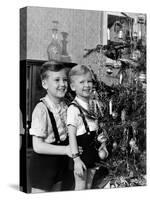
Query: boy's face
[
  {"x": 82, "y": 85},
  {"x": 56, "y": 84}
]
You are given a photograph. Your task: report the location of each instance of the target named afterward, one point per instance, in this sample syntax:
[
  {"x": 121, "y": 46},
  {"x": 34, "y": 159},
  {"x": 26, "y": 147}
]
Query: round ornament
[
  {"x": 114, "y": 115},
  {"x": 132, "y": 142},
  {"x": 102, "y": 154},
  {"x": 114, "y": 145}
]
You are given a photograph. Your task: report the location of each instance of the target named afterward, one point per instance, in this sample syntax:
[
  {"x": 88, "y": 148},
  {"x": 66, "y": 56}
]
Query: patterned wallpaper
[{"x": 82, "y": 26}]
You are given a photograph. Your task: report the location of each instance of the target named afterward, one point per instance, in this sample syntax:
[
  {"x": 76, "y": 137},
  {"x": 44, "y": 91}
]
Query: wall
[
  {"x": 83, "y": 27},
  {"x": 86, "y": 29}
]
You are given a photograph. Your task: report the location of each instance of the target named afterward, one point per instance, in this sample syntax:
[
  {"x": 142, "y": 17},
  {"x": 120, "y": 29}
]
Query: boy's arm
[
  {"x": 41, "y": 147},
  {"x": 72, "y": 139},
  {"x": 72, "y": 124},
  {"x": 79, "y": 166}
]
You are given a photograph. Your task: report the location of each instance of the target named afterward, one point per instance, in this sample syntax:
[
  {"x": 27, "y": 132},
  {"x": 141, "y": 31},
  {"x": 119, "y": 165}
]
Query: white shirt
[
  {"x": 41, "y": 125},
  {"x": 74, "y": 118}
]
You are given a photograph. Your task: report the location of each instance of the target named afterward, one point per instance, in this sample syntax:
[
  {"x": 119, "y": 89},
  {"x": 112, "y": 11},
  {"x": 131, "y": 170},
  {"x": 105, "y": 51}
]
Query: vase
[{"x": 54, "y": 49}]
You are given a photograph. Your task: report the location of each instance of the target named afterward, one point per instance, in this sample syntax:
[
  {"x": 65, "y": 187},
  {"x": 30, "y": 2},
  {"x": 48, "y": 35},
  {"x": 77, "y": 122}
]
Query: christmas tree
[{"x": 123, "y": 117}]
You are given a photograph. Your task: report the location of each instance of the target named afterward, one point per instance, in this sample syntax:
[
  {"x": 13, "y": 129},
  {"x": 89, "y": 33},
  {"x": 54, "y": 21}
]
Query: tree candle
[
  {"x": 108, "y": 34},
  {"x": 110, "y": 107},
  {"x": 120, "y": 78}
]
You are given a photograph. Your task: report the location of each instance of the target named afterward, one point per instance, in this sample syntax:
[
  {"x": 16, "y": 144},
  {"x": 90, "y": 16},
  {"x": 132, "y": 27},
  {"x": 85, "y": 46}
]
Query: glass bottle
[
  {"x": 65, "y": 57},
  {"x": 54, "y": 49}
]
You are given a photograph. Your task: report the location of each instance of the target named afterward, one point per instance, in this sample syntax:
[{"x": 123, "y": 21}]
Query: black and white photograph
[{"x": 82, "y": 99}]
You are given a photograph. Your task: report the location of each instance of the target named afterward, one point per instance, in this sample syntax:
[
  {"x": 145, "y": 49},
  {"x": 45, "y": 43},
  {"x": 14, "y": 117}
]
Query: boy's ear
[
  {"x": 44, "y": 84},
  {"x": 72, "y": 87}
]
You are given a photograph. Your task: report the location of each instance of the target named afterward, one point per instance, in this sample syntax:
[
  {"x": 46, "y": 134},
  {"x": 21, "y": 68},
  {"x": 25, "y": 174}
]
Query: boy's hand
[
  {"x": 68, "y": 151},
  {"x": 79, "y": 166}
]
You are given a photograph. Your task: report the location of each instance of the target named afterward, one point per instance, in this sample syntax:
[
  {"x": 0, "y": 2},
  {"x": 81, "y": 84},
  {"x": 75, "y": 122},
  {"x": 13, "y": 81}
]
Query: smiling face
[
  {"x": 82, "y": 85},
  {"x": 56, "y": 84}
]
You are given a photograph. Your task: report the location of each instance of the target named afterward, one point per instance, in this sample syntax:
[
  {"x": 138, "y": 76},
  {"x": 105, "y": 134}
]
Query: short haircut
[
  {"x": 79, "y": 70},
  {"x": 50, "y": 66}
]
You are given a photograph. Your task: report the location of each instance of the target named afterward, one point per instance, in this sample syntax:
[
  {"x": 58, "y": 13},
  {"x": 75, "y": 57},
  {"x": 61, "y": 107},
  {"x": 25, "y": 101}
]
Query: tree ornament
[
  {"x": 102, "y": 137},
  {"x": 115, "y": 145},
  {"x": 123, "y": 148},
  {"x": 141, "y": 19},
  {"x": 131, "y": 174},
  {"x": 101, "y": 124},
  {"x": 102, "y": 154},
  {"x": 112, "y": 186},
  {"x": 114, "y": 115},
  {"x": 102, "y": 151},
  {"x": 136, "y": 54},
  {"x": 133, "y": 145},
  {"x": 109, "y": 71},
  {"x": 132, "y": 142},
  {"x": 123, "y": 115},
  {"x": 142, "y": 77},
  {"x": 134, "y": 125}
]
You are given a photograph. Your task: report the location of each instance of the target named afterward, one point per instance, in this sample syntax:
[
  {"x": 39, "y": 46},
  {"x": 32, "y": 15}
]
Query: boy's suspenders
[
  {"x": 53, "y": 122},
  {"x": 75, "y": 103}
]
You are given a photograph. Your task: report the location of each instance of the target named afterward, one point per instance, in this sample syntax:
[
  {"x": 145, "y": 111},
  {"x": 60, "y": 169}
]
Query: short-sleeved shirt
[
  {"x": 74, "y": 118},
  {"x": 41, "y": 124}
]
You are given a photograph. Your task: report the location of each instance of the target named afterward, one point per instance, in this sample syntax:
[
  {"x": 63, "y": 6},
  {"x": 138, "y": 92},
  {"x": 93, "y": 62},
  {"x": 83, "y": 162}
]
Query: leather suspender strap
[
  {"x": 83, "y": 117},
  {"x": 54, "y": 126}
]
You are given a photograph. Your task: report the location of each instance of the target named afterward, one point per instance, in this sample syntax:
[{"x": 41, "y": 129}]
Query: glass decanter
[
  {"x": 65, "y": 57},
  {"x": 54, "y": 49}
]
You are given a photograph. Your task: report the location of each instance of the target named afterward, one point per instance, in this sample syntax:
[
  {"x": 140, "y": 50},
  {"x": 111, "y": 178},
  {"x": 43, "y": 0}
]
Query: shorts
[
  {"x": 90, "y": 154},
  {"x": 46, "y": 170}
]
